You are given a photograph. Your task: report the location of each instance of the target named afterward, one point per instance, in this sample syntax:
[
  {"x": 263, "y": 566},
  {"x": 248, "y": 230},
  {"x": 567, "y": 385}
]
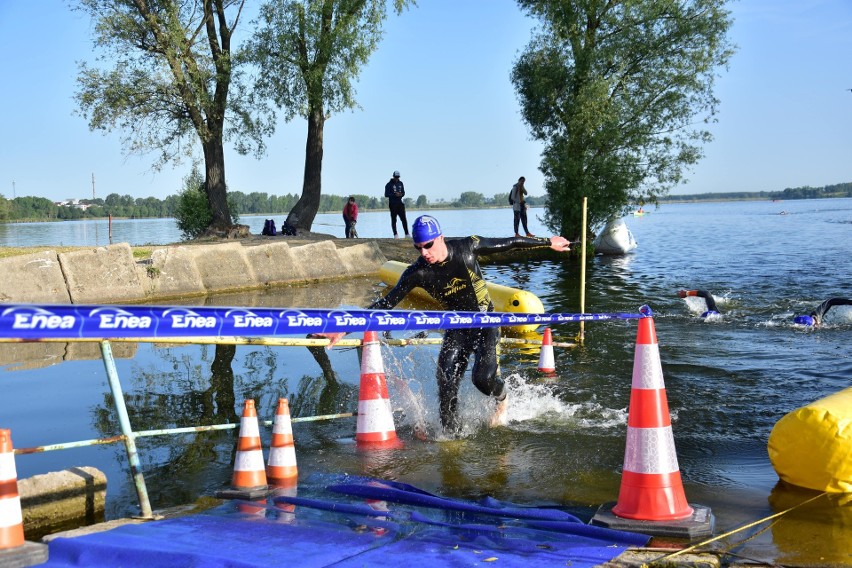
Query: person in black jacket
[
  {"x": 449, "y": 271},
  {"x": 395, "y": 191}
]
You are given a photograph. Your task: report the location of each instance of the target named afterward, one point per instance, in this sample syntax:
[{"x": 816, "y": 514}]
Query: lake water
[{"x": 728, "y": 379}]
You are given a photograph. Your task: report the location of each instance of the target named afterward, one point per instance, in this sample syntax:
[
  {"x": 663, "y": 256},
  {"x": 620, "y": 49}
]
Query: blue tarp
[{"x": 324, "y": 530}]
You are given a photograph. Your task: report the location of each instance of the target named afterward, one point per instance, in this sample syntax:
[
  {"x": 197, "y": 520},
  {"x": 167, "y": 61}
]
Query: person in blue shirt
[
  {"x": 816, "y": 317},
  {"x": 395, "y": 191}
]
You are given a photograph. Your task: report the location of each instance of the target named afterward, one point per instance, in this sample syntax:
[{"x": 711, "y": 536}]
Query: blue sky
[{"x": 438, "y": 105}]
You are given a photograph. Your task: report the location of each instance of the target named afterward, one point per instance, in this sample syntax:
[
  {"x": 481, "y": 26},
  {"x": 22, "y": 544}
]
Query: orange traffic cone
[
  {"x": 375, "y": 428},
  {"x": 546, "y": 363},
  {"x": 249, "y": 479},
  {"x": 14, "y": 549},
  {"x": 281, "y": 468},
  {"x": 11, "y": 518},
  {"x": 651, "y": 486}
]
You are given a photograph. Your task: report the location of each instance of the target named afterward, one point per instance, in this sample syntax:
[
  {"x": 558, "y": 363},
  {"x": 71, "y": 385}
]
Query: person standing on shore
[
  {"x": 350, "y": 217},
  {"x": 395, "y": 191},
  {"x": 519, "y": 206}
]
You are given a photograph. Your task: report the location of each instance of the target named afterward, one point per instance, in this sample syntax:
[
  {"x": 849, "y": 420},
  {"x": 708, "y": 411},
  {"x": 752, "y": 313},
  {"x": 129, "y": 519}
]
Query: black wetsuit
[
  {"x": 708, "y": 298},
  {"x": 457, "y": 284},
  {"x": 819, "y": 313}
]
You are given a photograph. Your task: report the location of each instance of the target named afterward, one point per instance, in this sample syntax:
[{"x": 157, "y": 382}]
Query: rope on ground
[{"x": 736, "y": 530}]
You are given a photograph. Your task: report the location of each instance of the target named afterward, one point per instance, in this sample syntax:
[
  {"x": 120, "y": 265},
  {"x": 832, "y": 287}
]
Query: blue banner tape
[{"x": 105, "y": 322}]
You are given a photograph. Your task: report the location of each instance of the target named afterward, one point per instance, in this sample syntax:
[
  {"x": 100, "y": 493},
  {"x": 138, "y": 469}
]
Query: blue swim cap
[
  {"x": 425, "y": 228},
  {"x": 803, "y": 320},
  {"x": 709, "y": 313}
]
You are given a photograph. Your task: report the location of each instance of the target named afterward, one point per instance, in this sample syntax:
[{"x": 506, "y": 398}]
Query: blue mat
[{"x": 317, "y": 532}]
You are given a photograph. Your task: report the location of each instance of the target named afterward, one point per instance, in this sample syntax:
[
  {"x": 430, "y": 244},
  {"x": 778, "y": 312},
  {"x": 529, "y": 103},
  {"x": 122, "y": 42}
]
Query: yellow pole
[{"x": 582, "y": 335}]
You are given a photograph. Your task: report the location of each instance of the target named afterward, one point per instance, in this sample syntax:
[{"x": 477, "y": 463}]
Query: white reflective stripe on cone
[
  {"x": 249, "y": 427},
  {"x": 650, "y": 450},
  {"x": 375, "y": 416},
  {"x": 647, "y": 370},
  {"x": 283, "y": 456},
  {"x": 10, "y": 512},
  {"x": 249, "y": 461}
]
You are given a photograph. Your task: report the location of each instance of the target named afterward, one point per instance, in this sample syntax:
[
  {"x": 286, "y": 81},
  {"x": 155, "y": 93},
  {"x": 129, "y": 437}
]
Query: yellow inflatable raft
[
  {"x": 505, "y": 299},
  {"x": 812, "y": 447}
]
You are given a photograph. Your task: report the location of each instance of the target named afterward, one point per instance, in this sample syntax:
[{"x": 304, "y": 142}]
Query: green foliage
[
  {"x": 193, "y": 214},
  {"x": 618, "y": 91},
  {"x": 172, "y": 84},
  {"x": 309, "y": 54},
  {"x": 5, "y": 208}
]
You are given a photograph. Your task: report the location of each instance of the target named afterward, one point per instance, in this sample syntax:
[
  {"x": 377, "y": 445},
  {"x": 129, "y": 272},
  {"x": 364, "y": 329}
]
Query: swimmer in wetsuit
[
  {"x": 818, "y": 314},
  {"x": 449, "y": 271},
  {"x": 708, "y": 298}
]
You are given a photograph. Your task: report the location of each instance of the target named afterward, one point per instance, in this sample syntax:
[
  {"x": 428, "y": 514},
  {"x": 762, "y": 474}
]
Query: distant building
[{"x": 75, "y": 203}]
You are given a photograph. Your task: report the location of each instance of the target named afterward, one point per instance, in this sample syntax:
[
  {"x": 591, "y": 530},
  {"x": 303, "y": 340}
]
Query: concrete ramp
[
  {"x": 105, "y": 275},
  {"x": 33, "y": 279}
]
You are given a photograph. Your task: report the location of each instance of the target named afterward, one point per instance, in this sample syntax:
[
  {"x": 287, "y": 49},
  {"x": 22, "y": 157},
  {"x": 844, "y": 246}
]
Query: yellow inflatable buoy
[
  {"x": 505, "y": 299},
  {"x": 812, "y": 446}
]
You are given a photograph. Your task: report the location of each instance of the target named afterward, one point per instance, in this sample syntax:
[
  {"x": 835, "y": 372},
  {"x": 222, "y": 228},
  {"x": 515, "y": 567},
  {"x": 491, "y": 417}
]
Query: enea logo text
[
  {"x": 111, "y": 318},
  {"x": 301, "y": 320},
  {"x": 188, "y": 319},
  {"x": 348, "y": 320},
  {"x": 37, "y": 318},
  {"x": 249, "y": 320}
]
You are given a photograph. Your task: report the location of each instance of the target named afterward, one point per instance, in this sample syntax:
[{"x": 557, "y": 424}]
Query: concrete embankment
[
  {"x": 111, "y": 274},
  {"x": 114, "y": 274}
]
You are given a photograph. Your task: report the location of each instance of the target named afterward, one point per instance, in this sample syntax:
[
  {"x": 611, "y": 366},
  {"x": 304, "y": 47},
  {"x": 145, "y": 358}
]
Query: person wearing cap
[
  {"x": 519, "y": 206},
  {"x": 817, "y": 316},
  {"x": 449, "y": 271},
  {"x": 395, "y": 191},
  {"x": 708, "y": 298},
  {"x": 350, "y": 217}
]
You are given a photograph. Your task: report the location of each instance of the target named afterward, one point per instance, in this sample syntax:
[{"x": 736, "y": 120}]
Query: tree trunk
[
  {"x": 303, "y": 213},
  {"x": 217, "y": 194}
]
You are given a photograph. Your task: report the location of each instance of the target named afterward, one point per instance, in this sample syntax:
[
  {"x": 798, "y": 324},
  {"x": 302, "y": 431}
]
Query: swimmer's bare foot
[{"x": 501, "y": 413}]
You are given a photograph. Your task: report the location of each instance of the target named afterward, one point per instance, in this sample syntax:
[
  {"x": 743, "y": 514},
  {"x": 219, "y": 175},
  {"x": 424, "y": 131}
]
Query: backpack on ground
[
  {"x": 288, "y": 230},
  {"x": 269, "y": 228}
]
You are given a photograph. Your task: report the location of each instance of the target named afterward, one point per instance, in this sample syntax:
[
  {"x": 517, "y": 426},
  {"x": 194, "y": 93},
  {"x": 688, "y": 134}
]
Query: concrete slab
[
  {"x": 361, "y": 259},
  {"x": 320, "y": 260},
  {"x": 223, "y": 267},
  {"x": 102, "y": 276},
  {"x": 171, "y": 273},
  {"x": 33, "y": 279},
  {"x": 274, "y": 263},
  {"x": 62, "y": 499}
]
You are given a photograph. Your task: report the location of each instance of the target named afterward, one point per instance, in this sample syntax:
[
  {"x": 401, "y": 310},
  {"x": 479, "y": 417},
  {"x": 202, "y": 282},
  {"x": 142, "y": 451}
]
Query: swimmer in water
[
  {"x": 708, "y": 298},
  {"x": 816, "y": 317}
]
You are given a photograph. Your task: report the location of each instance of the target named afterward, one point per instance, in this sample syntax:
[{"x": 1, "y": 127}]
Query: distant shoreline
[{"x": 679, "y": 199}]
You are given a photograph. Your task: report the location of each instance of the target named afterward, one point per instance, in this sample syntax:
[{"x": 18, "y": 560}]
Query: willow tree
[
  {"x": 172, "y": 85},
  {"x": 620, "y": 92},
  {"x": 309, "y": 53}
]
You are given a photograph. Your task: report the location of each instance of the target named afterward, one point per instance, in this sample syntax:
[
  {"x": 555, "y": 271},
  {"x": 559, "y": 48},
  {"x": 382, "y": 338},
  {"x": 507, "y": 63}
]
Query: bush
[{"x": 193, "y": 214}]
